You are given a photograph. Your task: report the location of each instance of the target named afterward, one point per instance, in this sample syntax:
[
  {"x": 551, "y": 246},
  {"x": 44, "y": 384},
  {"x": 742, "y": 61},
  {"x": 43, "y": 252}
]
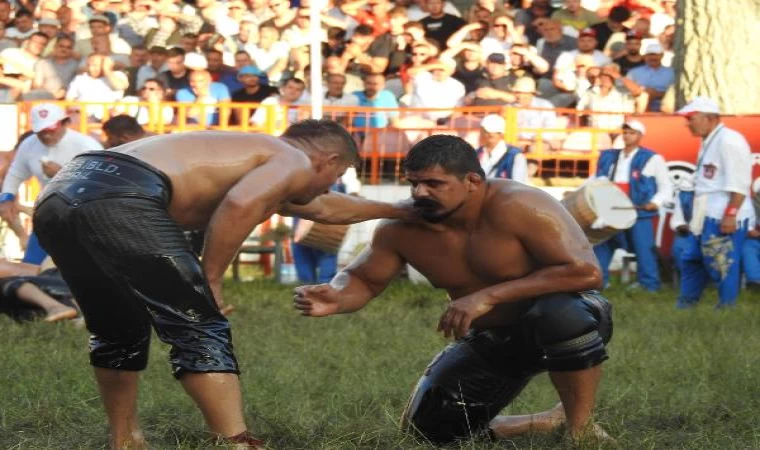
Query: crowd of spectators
[{"x": 609, "y": 56}]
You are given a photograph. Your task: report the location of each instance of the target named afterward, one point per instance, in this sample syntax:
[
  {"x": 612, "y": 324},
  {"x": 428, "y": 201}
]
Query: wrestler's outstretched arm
[
  {"x": 556, "y": 244},
  {"x": 340, "y": 209},
  {"x": 364, "y": 279}
]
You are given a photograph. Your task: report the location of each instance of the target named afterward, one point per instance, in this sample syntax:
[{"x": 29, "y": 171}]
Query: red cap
[{"x": 588, "y": 32}]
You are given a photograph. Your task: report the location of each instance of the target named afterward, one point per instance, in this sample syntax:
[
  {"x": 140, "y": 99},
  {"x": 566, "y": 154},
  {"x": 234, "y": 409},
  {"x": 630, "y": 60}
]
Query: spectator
[
  {"x": 252, "y": 90},
  {"x": 751, "y": 249},
  {"x": 533, "y": 113},
  {"x": 270, "y": 55},
  {"x": 574, "y": 15},
  {"x": 156, "y": 64},
  {"x": 440, "y": 25},
  {"x": 375, "y": 16},
  {"x": 259, "y": 12},
  {"x": 494, "y": 89},
  {"x": 69, "y": 25},
  {"x": 6, "y": 42},
  {"x": 50, "y": 27},
  {"x": 206, "y": 93},
  {"x": 101, "y": 45},
  {"x": 219, "y": 70},
  {"x": 554, "y": 42},
  {"x": 498, "y": 39},
  {"x": 652, "y": 78},
  {"x": 18, "y": 66},
  {"x": 586, "y": 46},
  {"x": 419, "y": 9},
  {"x": 247, "y": 35},
  {"x": 436, "y": 89},
  {"x": 291, "y": 95},
  {"x": 41, "y": 156},
  {"x": 23, "y": 26},
  {"x": 189, "y": 43},
  {"x": 525, "y": 62},
  {"x": 365, "y": 54},
  {"x": 177, "y": 75},
  {"x": 642, "y": 174},
  {"x": 615, "y": 23},
  {"x": 375, "y": 95},
  {"x": 469, "y": 68},
  {"x": 605, "y": 96},
  {"x": 40, "y": 293},
  {"x": 659, "y": 21},
  {"x": 167, "y": 33},
  {"x": 400, "y": 48},
  {"x": 55, "y": 73},
  {"x": 632, "y": 57},
  {"x": 283, "y": 16},
  {"x": 333, "y": 64},
  {"x": 5, "y": 13},
  {"x": 335, "y": 95},
  {"x": 134, "y": 26},
  {"x": 121, "y": 129},
  {"x": 153, "y": 111},
  {"x": 100, "y": 26},
  {"x": 497, "y": 158},
  {"x": 529, "y": 18},
  {"x": 99, "y": 84}
]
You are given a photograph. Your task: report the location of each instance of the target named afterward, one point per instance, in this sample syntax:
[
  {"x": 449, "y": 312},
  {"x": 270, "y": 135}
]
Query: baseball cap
[
  {"x": 498, "y": 58},
  {"x": 654, "y": 49},
  {"x": 700, "y": 105},
  {"x": 635, "y": 125},
  {"x": 46, "y": 115},
  {"x": 493, "y": 123},
  {"x": 250, "y": 70},
  {"x": 631, "y": 34},
  {"x": 195, "y": 61},
  {"x": 587, "y": 32},
  {"x": 100, "y": 18}
]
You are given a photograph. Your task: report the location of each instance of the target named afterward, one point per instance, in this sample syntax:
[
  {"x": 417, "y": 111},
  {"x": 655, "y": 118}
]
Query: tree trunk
[{"x": 716, "y": 53}]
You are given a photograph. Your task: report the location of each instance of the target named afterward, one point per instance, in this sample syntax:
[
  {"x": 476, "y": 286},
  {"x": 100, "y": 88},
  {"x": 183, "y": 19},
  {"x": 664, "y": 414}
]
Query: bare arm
[
  {"x": 364, "y": 279},
  {"x": 251, "y": 201},
  {"x": 340, "y": 209}
]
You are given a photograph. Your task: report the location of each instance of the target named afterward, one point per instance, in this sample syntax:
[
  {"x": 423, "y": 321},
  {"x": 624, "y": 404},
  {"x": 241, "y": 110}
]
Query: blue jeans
[
  {"x": 314, "y": 266},
  {"x": 34, "y": 253},
  {"x": 639, "y": 240},
  {"x": 751, "y": 260},
  {"x": 713, "y": 256}
]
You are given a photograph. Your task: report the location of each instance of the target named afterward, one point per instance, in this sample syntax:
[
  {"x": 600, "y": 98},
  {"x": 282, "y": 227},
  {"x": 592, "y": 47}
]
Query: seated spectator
[
  {"x": 21, "y": 61},
  {"x": 291, "y": 94},
  {"x": 659, "y": 21},
  {"x": 50, "y": 27},
  {"x": 121, "y": 129},
  {"x": 586, "y": 46},
  {"x": 28, "y": 297},
  {"x": 153, "y": 92},
  {"x": 135, "y": 24},
  {"x": 269, "y": 54},
  {"x": 652, "y": 78},
  {"x": 299, "y": 33},
  {"x": 375, "y": 95},
  {"x": 574, "y": 15},
  {"x": 615, "y": 23},
  {"x": 23, "y": 26},
  {"x": 470, "y": 68},
  {"x": 221, "y": 72},
  {"x": 606, "y": 97},
  {"x": 494, "y": 89},
  {"x": 496, "y": 38},
  {"x": 528, "y": 19},
  {"x": 205, "y": 92},
  {"x": 189, "y": 42},
  {"x": 252, "y": 91},
  {"x": 99, "y": 84},
  {"x": 283, "y": 16},
  {"x": 167, "y": 34},
  {"x": 440, "y": 25},
  {"x": 553, "y": 42},
  {"x": 156, "y": 64},
  {"x": 177, "y": 75},
  {"x": 435, "y": 88},
  {"x": 333, "y": 64},
  {"x": 374, "y": 15},
  {"x": 55, "y": 73},
  {"x": 418, "y": 9},
  {"x": 525, "y": 62},
  {"x": 247, "y": 35},
  {"x": 242, "y": 59},
  {"x": 335, "y": 95},
  {"x": 533, "y": 113},
  {"x": 364, "y": 53},
  {"x": 138, "y": 57},
  {"x": 6, "y": 42},
  {"x": 101, "y": 45},
  {"x": 400, "y": 45},
  {"x": 100, "y": 26},
  {"x": 632, "y": 57}
]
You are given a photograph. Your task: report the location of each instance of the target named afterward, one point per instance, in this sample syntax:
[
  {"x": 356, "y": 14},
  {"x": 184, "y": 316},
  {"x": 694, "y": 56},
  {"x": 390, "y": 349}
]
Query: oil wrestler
[
  {"x": 522, "y": 280},
  {"x": 113, "y": 223}
]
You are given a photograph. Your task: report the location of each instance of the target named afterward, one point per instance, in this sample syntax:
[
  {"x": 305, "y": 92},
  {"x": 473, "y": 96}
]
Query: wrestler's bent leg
[{"x": 463, "y": 389}]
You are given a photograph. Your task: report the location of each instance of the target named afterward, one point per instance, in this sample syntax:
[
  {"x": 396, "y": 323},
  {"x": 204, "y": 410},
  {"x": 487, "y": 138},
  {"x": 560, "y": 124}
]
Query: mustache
[{"x": 425, "y": 204}]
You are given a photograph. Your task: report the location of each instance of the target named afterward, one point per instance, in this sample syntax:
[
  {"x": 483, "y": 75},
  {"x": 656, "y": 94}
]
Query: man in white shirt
[
  {"x": 722, "y": 210},
  {"x": 643, "y": 175},
  {"x": 434, "y": 89},
  {"x": 41, "y": 156},
  {"x": 497, "y": 158}
]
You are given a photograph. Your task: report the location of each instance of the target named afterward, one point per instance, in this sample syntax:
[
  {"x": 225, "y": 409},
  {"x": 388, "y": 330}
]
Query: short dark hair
[
  {"x": 295, "y": 80},
  {"x": 123, "y": 125},
  {"x": 175, "y": 51},
  {"x": 324, "y": 135},
  {"x": 619, "y": 14},
  {"x": 364, "y": 30},
  {"x": 452, "y": 153}
]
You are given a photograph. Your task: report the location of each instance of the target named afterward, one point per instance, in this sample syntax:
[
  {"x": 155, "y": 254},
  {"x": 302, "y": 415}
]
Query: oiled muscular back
[{"x": 204, "y": 165}]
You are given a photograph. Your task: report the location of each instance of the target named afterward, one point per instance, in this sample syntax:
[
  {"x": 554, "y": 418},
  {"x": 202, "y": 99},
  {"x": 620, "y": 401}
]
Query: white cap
[
  {"x": 195, "y": 61},
  {"x": 493, "y": 123},
  {"x": 635, "y": 125},
  {"x": 49, "y": 21},
  {"x": 700, "y": 105},
  {"x": 654, "y": 49},
  {"x": 524, "y": 85},
  {"x": 45, "y": 115}
]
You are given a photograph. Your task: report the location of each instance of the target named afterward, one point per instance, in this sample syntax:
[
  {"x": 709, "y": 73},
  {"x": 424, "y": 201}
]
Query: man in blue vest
[
  {"x": 498, "y": 159},
  {"x": 684, "y": 240},
  {"x": 751, "y": 249},
  {"x": 642, "y": 174}
]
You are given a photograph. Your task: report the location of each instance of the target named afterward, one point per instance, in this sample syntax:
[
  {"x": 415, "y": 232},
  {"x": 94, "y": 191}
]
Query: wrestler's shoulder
[{"x": 513, "y": 193}]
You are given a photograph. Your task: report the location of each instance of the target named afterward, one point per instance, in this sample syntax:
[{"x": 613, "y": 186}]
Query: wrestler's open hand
[
  {"x": 316, "y": 300},
  {"x": 461, "y": 312}
]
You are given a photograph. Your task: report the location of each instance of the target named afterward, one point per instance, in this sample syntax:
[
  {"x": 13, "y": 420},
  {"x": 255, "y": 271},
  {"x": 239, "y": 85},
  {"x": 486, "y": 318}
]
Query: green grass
[{"x": 675, "y": 380}]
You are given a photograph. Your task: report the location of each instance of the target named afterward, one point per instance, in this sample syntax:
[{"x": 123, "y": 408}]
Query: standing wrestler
[
  {"x": 521, "y": 278},
  {"x": 113, "y": 223}
]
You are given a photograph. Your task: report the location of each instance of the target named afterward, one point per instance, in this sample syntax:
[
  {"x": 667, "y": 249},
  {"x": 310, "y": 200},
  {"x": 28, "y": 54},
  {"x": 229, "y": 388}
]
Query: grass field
[{"x": 675, "y": 380}]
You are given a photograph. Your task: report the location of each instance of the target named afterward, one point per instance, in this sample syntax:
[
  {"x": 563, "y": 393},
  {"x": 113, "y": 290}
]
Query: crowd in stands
[{"x": 609, "y": 56}]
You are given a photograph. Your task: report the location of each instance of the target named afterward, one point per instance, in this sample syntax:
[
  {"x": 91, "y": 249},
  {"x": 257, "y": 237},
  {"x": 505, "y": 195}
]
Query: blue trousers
[
  {"x": 711, "y": 256},
  {"x": 639, "y": 240},
  {"x": 751, "y": 260},
  {"x": 34, "y": 253},
  {"x": 314, "y": 266}
]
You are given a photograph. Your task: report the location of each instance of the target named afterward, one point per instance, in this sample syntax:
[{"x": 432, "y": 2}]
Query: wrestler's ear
[{"x": 473, "y": 181}]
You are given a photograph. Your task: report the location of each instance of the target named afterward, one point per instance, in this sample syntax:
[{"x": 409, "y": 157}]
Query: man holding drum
[
  {"x": 643, "y": 175},
  {"x": 520, "y": 276},
  {"x": 113, "y": 223}
]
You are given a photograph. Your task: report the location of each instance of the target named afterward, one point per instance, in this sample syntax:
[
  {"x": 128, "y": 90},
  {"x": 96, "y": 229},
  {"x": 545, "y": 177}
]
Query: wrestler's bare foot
[
  {"x": 543, "y": 422},
  {"x": 226, "y": 309},
  {"x": 134, "y": 441},
  {"x": 591, "y": 436},
  {"x": 59, "y": 313},
  {"x": 243, "y": 441}
]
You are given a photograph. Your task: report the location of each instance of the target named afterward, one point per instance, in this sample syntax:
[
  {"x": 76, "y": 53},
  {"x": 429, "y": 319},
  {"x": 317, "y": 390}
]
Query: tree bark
[{"x": 716, "y": 54}]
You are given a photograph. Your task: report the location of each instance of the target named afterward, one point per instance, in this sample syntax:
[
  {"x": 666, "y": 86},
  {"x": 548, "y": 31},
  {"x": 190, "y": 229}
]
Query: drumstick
[{"x": 627, "y": 207}]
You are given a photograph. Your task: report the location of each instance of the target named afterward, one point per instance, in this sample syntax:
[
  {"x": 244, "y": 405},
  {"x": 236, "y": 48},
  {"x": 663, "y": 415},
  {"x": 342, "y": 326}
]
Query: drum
[
  {"x": 327, "y": 238},
  {"x": 601, "y": 199}
]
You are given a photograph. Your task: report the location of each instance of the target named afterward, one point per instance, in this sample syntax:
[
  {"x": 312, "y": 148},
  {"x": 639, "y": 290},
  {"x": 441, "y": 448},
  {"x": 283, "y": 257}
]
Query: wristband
[
  {"x": 7, "y": 197},
  {"x": 730, "y": 211}
]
